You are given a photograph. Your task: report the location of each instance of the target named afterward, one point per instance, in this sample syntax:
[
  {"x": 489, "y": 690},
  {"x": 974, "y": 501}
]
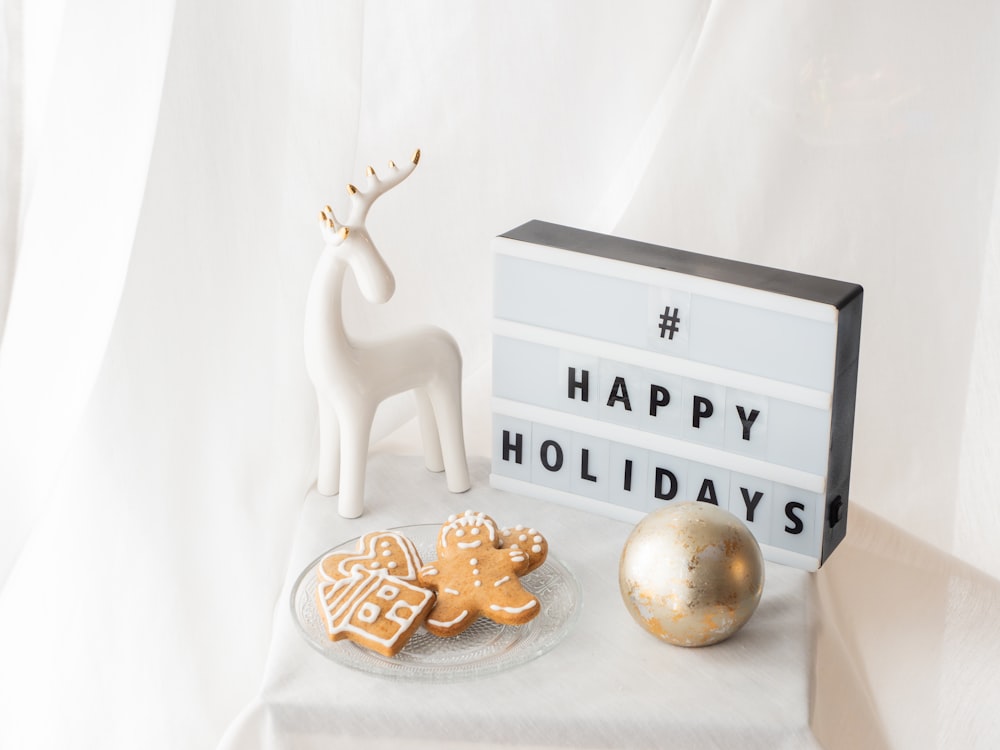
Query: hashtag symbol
[{"x": 669, "y": 322}]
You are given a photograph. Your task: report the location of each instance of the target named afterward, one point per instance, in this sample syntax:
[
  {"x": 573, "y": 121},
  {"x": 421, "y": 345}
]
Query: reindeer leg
[
  {"x": 428, "y": 431},
  {"x": 355, "y": 427},
  {"x": 446, "y": 397},
  {"x": 328, "y": 481}
]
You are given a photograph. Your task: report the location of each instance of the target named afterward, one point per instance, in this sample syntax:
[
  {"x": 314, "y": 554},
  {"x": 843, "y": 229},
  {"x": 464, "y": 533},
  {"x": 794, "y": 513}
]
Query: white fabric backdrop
[{"x": 163, "y": 164}]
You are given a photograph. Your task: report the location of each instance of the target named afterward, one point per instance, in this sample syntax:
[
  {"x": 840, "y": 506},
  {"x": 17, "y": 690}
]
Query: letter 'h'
[
  {"x": 509, "y": 446},
  {"x": 583, "y": 384}
]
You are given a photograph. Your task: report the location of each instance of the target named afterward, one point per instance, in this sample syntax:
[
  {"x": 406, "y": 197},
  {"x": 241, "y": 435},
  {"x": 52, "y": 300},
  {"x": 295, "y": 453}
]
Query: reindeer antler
[
  {"x": 328, "y": 225},
  {"x": 361, "y": 200}
]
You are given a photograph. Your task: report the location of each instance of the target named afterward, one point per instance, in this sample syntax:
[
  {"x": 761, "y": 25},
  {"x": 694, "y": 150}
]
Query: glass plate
[{"x": 484, "y": 648}]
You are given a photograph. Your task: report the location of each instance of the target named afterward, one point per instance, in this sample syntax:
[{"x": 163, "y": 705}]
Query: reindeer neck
[{"x": 324, "y": 305}]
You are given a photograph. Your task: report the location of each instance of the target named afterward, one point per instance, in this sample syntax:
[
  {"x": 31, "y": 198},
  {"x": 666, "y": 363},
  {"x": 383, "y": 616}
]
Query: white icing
[
  {"x": 460, "y": 532},
  {"x": 430, "y": 571},
  {"x": 451, "y": 591},
  {"x": 514, "y": 546},
  {"x": 473, "y": 561},
  {"x": 475, "y": 572},
  {"x": 502, "y": 581},
  {"x": 470, "y": 545},
  {"x": 536, "y": 549},
  {"x": 474, "y": 531},
  {"x": 392, "y": 566},
  {"x": 388, "y": 592},
  {"x": 369, "y": 612},
  {"x": 449, "y": 623},
  {"x": 397, "y": 615},
  {"x": 537, "y": 539},
  {"x": 523, "y": 538},
  {"x": 348, "y": 563},
  {"x": 478, "y": 583},
  {"x": 513, "y": 610},
  {"x": 519, "y": 527}
]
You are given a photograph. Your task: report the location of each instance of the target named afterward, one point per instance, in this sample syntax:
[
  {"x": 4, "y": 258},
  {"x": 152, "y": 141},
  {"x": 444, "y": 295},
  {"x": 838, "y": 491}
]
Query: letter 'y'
[{"x": 747, "y": 420}]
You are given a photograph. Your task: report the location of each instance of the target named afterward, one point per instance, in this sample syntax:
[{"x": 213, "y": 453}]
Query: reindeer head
[{"x": 351, "y": 242}]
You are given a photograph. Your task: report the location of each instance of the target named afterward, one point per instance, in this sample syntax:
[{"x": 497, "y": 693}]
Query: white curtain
[{"x": 162, "y": 166}]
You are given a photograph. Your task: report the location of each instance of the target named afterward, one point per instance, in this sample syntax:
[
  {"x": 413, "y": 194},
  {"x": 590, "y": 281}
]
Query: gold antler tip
[
  {"x": 329, "y": 223},
  {"x": 322, "y": 216},
  {"x": 344, "y": 231},
  {"x": 328, "y": 210},
  {"x": 392, "y": 164},
  {"x": 351, "y": 189},
  {"x": 416, "y": 156},
  {"x": 370, "y": 171}
]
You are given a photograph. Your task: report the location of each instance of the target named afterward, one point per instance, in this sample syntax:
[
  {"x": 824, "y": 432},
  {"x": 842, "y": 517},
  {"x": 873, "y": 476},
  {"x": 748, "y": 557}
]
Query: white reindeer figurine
[{"x": 352, "y": 376}]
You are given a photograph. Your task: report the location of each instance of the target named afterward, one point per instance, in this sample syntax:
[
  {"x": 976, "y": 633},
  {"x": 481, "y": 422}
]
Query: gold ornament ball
[{"x": 691, "y": 574}]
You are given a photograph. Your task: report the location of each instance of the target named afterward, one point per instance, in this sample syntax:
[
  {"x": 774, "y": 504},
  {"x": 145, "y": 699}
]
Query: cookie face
[
  {"x": 370, "y": 596},
  {"x": 475, "y": 577}
]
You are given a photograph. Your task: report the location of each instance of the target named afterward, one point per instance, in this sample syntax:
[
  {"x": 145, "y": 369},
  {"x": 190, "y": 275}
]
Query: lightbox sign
[{"x": 628, "y": 375}]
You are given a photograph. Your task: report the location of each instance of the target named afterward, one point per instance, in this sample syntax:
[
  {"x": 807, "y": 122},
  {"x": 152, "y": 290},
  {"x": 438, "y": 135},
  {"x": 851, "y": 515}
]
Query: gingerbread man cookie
[
  {"x": 475, "y": 577},
  {"x": 371, "y": 597}
]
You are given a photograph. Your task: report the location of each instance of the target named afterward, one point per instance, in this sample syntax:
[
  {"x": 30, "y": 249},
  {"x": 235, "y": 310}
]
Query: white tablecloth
[{"x": 608, "y": 684}]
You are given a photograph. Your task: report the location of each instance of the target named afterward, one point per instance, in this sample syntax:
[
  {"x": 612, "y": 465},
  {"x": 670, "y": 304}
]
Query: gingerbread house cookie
[{"x": 371, "y": 597}]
